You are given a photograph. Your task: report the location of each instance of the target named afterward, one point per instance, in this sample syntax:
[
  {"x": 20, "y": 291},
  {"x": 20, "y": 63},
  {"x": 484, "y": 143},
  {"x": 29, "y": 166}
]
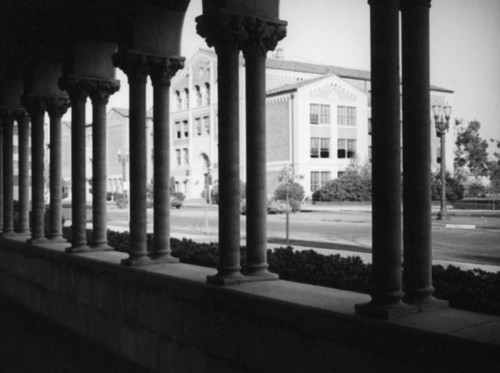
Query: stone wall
[{"x": 167, "y": 318}]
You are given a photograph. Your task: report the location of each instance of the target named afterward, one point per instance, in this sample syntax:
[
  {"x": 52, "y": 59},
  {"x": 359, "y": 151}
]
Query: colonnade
[{"x": 230, "y": 31}]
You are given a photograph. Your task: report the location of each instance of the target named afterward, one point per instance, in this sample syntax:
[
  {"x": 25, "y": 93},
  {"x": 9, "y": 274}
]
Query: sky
[{"x": 465, "y": 52}]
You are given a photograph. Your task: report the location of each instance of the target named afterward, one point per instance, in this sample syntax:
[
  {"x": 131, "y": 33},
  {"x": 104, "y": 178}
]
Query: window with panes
[
  {"x": 319, "y": 179},
  {"x": 319, "y": 114},
  {"x": 320, "y": 147},
  {"x": 346, "y": 148},
  {"x": 346, "y": 116}
]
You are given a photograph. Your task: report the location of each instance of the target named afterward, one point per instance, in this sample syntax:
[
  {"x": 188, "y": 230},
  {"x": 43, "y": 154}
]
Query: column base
[
  {"x": 430, "y": 304},
  {"x": 259, "y": 275},
  {"x": 36, "y": 241},
  {"x": 75, "y": 249},
  {"x": 167, "y": 258},
  {"x": 9, "y": 234},
  {"x": 101, "y": 247},
  {"x": 225, "y": 280},
  {"x": 57, "y": 239},
  {"x": 136, "y": 261},
  {"x": 379, "y": 311}
]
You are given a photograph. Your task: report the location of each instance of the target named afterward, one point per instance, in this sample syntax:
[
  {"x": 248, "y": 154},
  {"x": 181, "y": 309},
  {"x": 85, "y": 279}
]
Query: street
[{"x": 350, "y": 230}]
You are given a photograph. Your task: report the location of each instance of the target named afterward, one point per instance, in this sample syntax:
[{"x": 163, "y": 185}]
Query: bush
[
  {"x": 292, "y": 192},
  {"x": 473, "y": 290},
  {"x": 350, "y": 187},
  {"x": 454, "y": 189}
]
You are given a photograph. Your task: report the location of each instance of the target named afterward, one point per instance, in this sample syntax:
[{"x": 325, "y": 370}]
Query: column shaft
[
  {"x": 256, "y": 164},
  {"x": 24, "y": 181},
  {"x": 8, "y": 174},
  {"x": 37, "y": 177},
  {"x": 78, "y": 177},
  {"x": 99, "y": 177},
  {"x": 1, "y": 178},
  {"x": 229, "y": 167},
  {"x": 386, "y": 158},
  {"x": 416, "y": 152},
  {"x": 138, "y": 173},
  {"x": 55, "y": 216}
]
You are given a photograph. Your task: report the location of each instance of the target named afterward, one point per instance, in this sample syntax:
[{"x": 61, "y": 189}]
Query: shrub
[
  {"x": 292, "y": 192},
  {"x": 473, "y": 290},
  {"x": 350, "y": 187},
  {"x": 454, "y": 189}
]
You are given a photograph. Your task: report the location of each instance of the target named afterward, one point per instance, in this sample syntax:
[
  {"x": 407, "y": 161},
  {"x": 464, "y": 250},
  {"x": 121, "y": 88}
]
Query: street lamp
[
  {"x": 123, "y": 159},
  {"x": 442, "y": 120}
]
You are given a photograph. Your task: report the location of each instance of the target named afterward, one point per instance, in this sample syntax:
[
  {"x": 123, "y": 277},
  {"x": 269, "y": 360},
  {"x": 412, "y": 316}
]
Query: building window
[
  {"x": 319, "y": 114},
  {"x": 346, "y": 116},
  {"x": 206, "y": 124},
  {"x": 178, "y": 157},
  {"x": 346, "y": 148},
  {"x": 320, "y": 147},
  {"x": 186, "y": 97},
  {"x": 186, "y": 156},
  {"x": 185, "y": 128},
  {"x": 178, "y": 99},
  {"x": 197, "y": 126},
  {"x": 340, "y": 174},
  {"x": 178, "y": 129},
  {"x": 198, "y": 95},
  {"x": 370, "y": 126},
  {"x": 319, "y": 179},
  {"x": 207, "y": 93}
]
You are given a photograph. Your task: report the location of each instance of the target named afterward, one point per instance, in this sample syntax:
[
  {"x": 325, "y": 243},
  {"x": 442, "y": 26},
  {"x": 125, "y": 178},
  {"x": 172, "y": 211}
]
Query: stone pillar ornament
[
  {"x": 8, "y": 171},
  {"x": 35, "y": 106},
  {"x": 99, "y": 92},
  {"x": 56, "y": 107},
  {"x": 162, "y": 70},
  {"x": 222, "y": 32},
  {"x": 386, "y": 290},
  {"x": 135, "y": 67},
  {"x": 417, "y": 155},
  {"x": 261, "y": 36},
  {"x": 77, "y": 89},
  {"x": 23, "y": 125}
]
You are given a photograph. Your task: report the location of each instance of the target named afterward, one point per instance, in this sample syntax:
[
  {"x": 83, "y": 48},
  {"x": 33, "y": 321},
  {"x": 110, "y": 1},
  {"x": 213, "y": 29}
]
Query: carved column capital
[
  {"x": 133, "y": 64},
  {"x": 34, "y": 105},
  {"x": 261, "y": 35},
  {"x": 100, "y": 90},
  {"x": 57, "y": 106},
  {"x": 76, "y": 86},
  {"x": 222, "y": 31},
  {"x": 162, "y": 69},
  {"x": 6, "y": 115},
  {"x": 405, "y": 4}
]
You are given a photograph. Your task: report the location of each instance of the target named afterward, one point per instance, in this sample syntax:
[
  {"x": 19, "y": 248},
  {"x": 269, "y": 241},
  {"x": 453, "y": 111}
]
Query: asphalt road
[{"x": 453, "y": 240}]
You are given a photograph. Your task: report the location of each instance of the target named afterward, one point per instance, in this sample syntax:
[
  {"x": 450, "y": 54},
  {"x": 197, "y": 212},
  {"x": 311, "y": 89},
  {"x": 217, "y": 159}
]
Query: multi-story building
[{"x": 318, "y": 121}]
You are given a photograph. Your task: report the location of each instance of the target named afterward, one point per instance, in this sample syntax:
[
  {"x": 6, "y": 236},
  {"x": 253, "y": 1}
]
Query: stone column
[
  {"x": 99, "y": 92},
  {"x": 23, "y": 125},
  {"x": 386, "y": 290},
  {"x": 135, "y": 67},
  {"x": 162, "y": 70},
  {"x": 1, "y": 176},
  {"x": 35, "y": 106},
  {"x": 56, "y": 107},
  {"x": 262, "y": 36},
  {"x": 77, "y": 89},
  {"x": 416, "y": 153},
  {"x": 221, "y": 32},
  {"x": 8, "y": 172}
]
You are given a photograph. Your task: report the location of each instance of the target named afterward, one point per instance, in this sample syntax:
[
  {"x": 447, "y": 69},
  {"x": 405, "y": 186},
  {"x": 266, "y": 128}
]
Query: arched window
[
  {"x": 198, "y": 95},
  {"x": 207, "y": 93},
  {"x": 186, "y": 97},
  {"x": 178, "y": 100}
]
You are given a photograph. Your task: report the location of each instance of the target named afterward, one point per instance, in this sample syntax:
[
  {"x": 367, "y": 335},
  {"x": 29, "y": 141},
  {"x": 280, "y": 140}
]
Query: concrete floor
[{"x": 30, "y": 343}]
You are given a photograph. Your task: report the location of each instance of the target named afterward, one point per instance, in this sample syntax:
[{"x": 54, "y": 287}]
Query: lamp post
[
  {"x": 442, "y": 120},
  {"x": 123, "y": 159}
]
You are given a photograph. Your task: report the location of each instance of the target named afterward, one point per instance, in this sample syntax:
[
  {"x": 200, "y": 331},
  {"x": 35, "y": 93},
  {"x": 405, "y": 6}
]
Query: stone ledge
[{"x": 229, "y": 326}]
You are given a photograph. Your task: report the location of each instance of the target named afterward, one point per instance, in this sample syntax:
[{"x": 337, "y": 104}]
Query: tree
[
  {"x": 291, "y": 192},
  {"x": 494, "y": 167},
  {"x": 454, "y": 188},
  {"x": 471, "y": 151}
]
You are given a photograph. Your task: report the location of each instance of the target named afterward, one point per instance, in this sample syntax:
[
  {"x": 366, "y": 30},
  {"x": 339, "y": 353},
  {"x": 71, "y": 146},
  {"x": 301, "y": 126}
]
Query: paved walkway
[{"x": 30, "y": 343}]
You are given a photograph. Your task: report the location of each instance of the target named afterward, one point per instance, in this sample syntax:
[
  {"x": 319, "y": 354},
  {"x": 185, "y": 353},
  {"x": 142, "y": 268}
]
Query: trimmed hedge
[{"x": 474, "y": 290}]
